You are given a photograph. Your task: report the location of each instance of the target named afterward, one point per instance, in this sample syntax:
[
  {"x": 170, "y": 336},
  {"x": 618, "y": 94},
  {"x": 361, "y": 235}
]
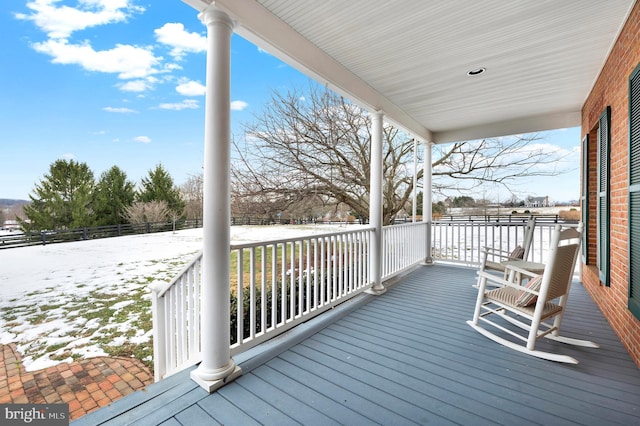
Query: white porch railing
[
  {"x": 403, "y": 246},
  {"x": 275, "y": 285},
  {"x": 279, "y": 284},
  {"x": 462, "y": 242},
  {"x": 176, "y": 321}
]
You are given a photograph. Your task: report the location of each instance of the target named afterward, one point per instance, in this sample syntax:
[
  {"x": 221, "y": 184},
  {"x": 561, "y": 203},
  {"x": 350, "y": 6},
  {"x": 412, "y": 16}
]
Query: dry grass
[{"x": 573, "y": 214}]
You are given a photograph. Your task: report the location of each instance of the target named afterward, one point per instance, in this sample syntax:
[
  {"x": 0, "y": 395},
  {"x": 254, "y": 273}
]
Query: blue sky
[{"x": 120, "y": 82}]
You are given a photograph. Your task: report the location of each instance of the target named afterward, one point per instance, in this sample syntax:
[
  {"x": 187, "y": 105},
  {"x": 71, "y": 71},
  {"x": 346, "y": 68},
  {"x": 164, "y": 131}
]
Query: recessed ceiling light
[{"x": 476, "y": 71}]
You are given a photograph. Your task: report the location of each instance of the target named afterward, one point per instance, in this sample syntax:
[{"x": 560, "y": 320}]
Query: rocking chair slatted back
[{"x": 492, "y": 259}]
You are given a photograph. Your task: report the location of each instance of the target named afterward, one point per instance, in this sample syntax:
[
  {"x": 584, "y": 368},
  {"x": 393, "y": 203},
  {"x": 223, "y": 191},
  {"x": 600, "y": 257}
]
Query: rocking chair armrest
[
  {"x": 494, "y": 279},
  {"x": 503, "y": 254},
  {"x": 519, "y": 270},
  {"x": 495, "y": 251}
]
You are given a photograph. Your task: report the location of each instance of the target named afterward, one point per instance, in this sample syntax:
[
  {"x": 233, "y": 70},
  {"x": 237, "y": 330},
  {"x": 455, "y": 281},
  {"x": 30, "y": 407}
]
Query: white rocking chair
[{"x": 528, "y": 307}]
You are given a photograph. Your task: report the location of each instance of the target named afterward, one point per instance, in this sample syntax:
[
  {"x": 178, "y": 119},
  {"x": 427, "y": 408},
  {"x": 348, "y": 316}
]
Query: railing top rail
[
  {"x": 238, "y": 246},
  {"x": 493, "y": 223},
  {"x": 540, "y": 218},
  {"x": 161, "y": 288},
  {"x": 405, "y": 225}
]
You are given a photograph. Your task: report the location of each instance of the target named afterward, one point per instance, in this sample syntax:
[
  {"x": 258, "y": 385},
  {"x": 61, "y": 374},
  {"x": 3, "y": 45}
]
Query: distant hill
[
  {"x": 7, "y": 202},
  {"x": 11, "y": 210}
]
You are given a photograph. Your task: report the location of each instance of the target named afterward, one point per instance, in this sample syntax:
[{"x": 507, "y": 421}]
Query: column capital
[{"x": 212, "y": 16}]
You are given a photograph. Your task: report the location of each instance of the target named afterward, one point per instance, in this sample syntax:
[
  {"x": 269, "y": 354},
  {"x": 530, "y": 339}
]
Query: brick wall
[{"x": 611, "y": 89}]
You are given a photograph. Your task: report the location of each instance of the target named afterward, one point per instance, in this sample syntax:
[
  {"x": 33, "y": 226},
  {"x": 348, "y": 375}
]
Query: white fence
[{"x": 276, "y": 285}]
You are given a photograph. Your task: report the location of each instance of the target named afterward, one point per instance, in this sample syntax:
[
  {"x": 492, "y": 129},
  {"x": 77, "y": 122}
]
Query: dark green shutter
[
  {"x": 603, "y": 196},
  {"x": 634, "y": 192},
  {"x": 584, "y": 199}
]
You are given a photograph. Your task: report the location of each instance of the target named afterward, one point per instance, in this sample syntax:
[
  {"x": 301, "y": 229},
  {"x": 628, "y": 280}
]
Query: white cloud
[
  {"x": 190, "y": 88},
  {"x": 119, "y": 110},
  {"x": 238, "y": 105},
  {"x": 143, "y": 139},
  {"x": 135, "y": 86},
  {"x": 186, "y": 104},
  {"x": 125, "y": 60},
  {"x": 553, "y": 158},
  {"x": 172, "y": 66},
  {"x": 68, "y": 156},
  {"x": 182, "y": 41},
  {"x": 60, "y": 22}
]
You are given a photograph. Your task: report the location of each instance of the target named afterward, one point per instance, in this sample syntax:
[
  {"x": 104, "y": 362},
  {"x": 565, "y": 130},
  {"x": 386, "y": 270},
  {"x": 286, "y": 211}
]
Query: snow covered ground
[{"x": 61, "y": 302}]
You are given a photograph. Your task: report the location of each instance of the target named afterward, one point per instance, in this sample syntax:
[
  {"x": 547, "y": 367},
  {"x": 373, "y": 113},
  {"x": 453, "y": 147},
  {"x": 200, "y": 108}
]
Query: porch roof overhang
[{"x": 409, "y": 59}]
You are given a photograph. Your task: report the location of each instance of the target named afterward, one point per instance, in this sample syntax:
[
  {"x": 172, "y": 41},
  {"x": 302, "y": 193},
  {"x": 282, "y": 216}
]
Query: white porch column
[
  {"x": 217, "y": 367},
  {"x": 427, "y": 199},
  {"x": 414, "y": 212},
  {"x": 375, "y": 203}
]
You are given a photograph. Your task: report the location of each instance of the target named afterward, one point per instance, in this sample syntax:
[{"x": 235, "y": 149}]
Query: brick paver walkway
[{"x": 85, "y": 385}]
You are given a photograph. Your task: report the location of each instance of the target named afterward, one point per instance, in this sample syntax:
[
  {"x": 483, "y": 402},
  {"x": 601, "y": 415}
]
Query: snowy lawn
[{"x": 62, "y": 302}]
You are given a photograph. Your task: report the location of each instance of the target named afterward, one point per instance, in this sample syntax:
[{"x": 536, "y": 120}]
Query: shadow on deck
[{"x": 406, "y": 357}]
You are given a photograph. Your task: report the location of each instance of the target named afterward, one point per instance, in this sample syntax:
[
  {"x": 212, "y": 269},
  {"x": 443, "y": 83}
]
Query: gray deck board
[
  {"x": 225, "y": 412},
  {"x": 421, "y": 380},
  {"x": 195, "y": 415},
  {"x": 159, "y": 409},
  {"x": 364, "y": 398},
  {"x": 402, "y": 380},
  {"x": 290, "y": 404},
  {"x": 301, "y": 391},
  {"x": 465, "y": 375},
  {"x": 156, "y": 414},
  {"x": 171, "y": 422},
  {"x": 408, "y": 357}
]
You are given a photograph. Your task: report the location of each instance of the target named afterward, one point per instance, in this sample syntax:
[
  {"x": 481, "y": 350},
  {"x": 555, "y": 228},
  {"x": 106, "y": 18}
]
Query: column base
[
  {"x": 376, "y": 291},
  {"x": 212, "y": 385}
]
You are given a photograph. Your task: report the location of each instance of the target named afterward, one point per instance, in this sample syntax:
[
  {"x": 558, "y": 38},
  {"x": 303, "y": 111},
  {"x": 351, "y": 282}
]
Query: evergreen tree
[
  {"x": 63, "y": 199},
  {"x": 159, "y": 186},
  {"x": 113, "y": 194}
]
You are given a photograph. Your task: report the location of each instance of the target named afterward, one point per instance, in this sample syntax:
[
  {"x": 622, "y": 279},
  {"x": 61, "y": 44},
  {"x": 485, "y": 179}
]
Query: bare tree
[
  {"x": 152, "y": 211},
  {"x": 464, "y": 166},
  {"x": 317, "y": 145},
  {"x": 192, "y": 194},
  {"x": 251, "y": 201}
]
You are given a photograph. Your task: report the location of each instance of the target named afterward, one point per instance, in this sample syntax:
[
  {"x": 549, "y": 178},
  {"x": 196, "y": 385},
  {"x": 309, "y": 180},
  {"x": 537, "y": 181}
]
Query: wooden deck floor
[{"x": 407, "y": 357}]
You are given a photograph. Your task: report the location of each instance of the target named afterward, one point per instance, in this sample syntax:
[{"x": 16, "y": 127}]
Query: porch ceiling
[{"x": 410, "y": 58}]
